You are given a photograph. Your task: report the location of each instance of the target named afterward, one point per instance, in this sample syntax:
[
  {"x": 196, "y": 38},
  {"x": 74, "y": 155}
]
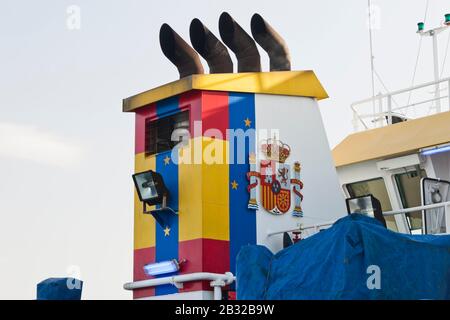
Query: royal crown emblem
[
  {"x": 275, "y": 150},
  {"x": 275, "y": 180}
]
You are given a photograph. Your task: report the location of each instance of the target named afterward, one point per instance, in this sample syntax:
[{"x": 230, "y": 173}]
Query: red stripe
[
  {"x": 271, "y": 200},
  {"x": 215, "y": 112},
  {"x": 192, "y": 101},
  {"x": 142, "y": 115},
  {"x": 203, "y": 255},
  {"x": 141, "y": 258},
  {"x": 270, "y": 195}
]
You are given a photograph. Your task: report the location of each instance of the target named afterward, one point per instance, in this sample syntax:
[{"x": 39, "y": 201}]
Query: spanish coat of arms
[{"x": 275, "y": 180}]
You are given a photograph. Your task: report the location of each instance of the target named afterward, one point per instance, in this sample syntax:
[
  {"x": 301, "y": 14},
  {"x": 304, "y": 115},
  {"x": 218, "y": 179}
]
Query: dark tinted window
[
  {"x": 158, "y": 133},
  {"x": 408, "y": 185}
]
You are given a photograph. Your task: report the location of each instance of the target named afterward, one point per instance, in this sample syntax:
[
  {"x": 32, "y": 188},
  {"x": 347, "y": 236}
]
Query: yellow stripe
[
  {"x": 144, "y": 224},
  {"x": 265, "y": 196},
  {"x": 261, "y": 194},
  {"x": 271, "y": 198},
  {"x": 291, "y": 83},
  {"x": 203, "y": 195},
  {"x": 216, "y": 188},
  {"x": 204, "y": 191},
  {"x": 190, "y": 222}
]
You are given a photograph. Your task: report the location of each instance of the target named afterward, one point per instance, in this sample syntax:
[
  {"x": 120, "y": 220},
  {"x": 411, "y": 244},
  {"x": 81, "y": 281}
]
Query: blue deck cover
[
  {"x": 336, "y": 264},
  {"x": 59, "y": 289}
]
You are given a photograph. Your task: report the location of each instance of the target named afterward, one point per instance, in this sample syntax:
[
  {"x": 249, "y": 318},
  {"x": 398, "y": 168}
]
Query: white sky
[{"x": 66, "y": 149}]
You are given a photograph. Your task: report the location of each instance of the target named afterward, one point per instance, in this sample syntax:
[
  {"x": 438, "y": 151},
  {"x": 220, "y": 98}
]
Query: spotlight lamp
[
  {"x": 366, "y": 205},
  {"x": 151, "y": 191},
  {"x": 150, "y": 187}
]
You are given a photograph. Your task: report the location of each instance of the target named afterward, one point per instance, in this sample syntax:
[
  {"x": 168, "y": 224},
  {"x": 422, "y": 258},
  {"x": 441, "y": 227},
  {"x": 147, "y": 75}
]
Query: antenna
[
  {"x": 369, "y": 9},
  {"x": 433, "y": 34}
]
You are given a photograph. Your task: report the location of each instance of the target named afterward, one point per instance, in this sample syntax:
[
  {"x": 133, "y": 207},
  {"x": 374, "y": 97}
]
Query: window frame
[
  {"x": 400, "y": 195},
  {"x": 345, "y": 186},
  {"x": 383, "y": 179},
  {"x": 422, "y": 193},
  {"x": 155, "y": 118}
]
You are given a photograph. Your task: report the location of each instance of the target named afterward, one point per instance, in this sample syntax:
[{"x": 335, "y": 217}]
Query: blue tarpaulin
[
  {"x": 59, "y": 289},
  {"x": 357, "y": 258}
]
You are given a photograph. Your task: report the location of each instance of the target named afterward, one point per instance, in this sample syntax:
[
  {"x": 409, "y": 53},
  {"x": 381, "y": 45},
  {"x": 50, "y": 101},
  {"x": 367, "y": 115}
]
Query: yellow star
[
  {"x": 234, "y": 185},
  {"x": 248, "y": 122},
  {"x": 166, "y": 160},
  {"x": 166, "y": 232}
]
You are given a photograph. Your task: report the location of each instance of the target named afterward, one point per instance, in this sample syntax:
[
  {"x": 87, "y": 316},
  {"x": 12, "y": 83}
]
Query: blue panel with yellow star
[
  {"x": 167, "y": 236},
  {"x": 242, "y": 219}
]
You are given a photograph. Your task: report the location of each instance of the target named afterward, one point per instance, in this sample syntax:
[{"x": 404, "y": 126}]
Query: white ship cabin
[{"x": 400, "y": 153}]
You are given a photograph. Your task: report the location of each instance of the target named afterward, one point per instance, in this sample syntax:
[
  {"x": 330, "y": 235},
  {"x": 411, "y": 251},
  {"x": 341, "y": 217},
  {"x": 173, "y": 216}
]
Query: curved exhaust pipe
[
  {"x": 179, "y": 52},
  {"x": 240, "y": 43},
  {"x": 272, "y": 43},
  {"x": 210, "y": 48}
]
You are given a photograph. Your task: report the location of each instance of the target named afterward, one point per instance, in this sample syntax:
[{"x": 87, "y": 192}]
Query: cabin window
[
  {"x": 158, "y": 133},
  {"x": 377, "y": 188},
  {"x": 408, "y": 184}
]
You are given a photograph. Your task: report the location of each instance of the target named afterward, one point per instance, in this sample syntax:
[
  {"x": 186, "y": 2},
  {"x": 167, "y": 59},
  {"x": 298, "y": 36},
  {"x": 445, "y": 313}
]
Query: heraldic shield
[{"x": 275, "y": 180}]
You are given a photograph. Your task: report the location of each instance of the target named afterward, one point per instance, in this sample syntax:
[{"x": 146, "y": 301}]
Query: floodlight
[
  {"x": 152, "y": 191},
  {"x": 366, "y": 205},
  {"x": 150, "y": 187}
]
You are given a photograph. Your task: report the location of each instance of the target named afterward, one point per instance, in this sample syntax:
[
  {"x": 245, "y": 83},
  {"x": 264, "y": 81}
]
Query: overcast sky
[{"x": 66, "y": 149}]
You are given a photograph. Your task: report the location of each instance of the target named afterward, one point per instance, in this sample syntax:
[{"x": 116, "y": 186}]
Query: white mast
[
  {"x": 369, "y": 8},
  {"x": 433, "y": 33}
]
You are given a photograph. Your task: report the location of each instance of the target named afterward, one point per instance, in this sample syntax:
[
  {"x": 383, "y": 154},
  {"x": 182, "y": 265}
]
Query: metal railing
[
  {"x": 383, "y": 107},
  {"x": 300, "y": 228},
  {"x": 217, "y": 281},
  {"x": 318, "y": 227},
  {"x": 445, "y": 205}
]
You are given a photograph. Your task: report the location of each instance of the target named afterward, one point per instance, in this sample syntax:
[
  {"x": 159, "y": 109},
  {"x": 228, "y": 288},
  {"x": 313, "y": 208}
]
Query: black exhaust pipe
[
  {"x": 240, "y": 43},
  {"x": 272, "y": 43},
  {"x": 179, "y": 52},
  {"x": 210, "y": 48}
]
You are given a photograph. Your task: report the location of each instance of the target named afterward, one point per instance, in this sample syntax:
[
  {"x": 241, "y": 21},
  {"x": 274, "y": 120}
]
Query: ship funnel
[
  {"x": 272, "y": 43},
  {"x": 179, "y": 52},
  {"x": 210, "y": 48},
  {"x": 240, "y": 43}
]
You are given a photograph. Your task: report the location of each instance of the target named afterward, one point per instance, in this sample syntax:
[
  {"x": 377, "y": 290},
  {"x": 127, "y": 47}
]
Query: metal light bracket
[{"x": 161, "y": 214}]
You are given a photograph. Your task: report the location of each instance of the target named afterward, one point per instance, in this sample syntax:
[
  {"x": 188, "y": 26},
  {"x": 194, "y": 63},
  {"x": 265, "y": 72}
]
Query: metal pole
[
  {"x": 380, "y": 110},
  {"x": 369, "y": 5},
  {"x": 217, "y": 293},
  {"x": 389, "y": 110},
  {"x": 355, "y": 121},
  {"x": 448, "y": 95},
  {"x": 436, "y": 71},
  {"x": 216, "y": 278}
]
